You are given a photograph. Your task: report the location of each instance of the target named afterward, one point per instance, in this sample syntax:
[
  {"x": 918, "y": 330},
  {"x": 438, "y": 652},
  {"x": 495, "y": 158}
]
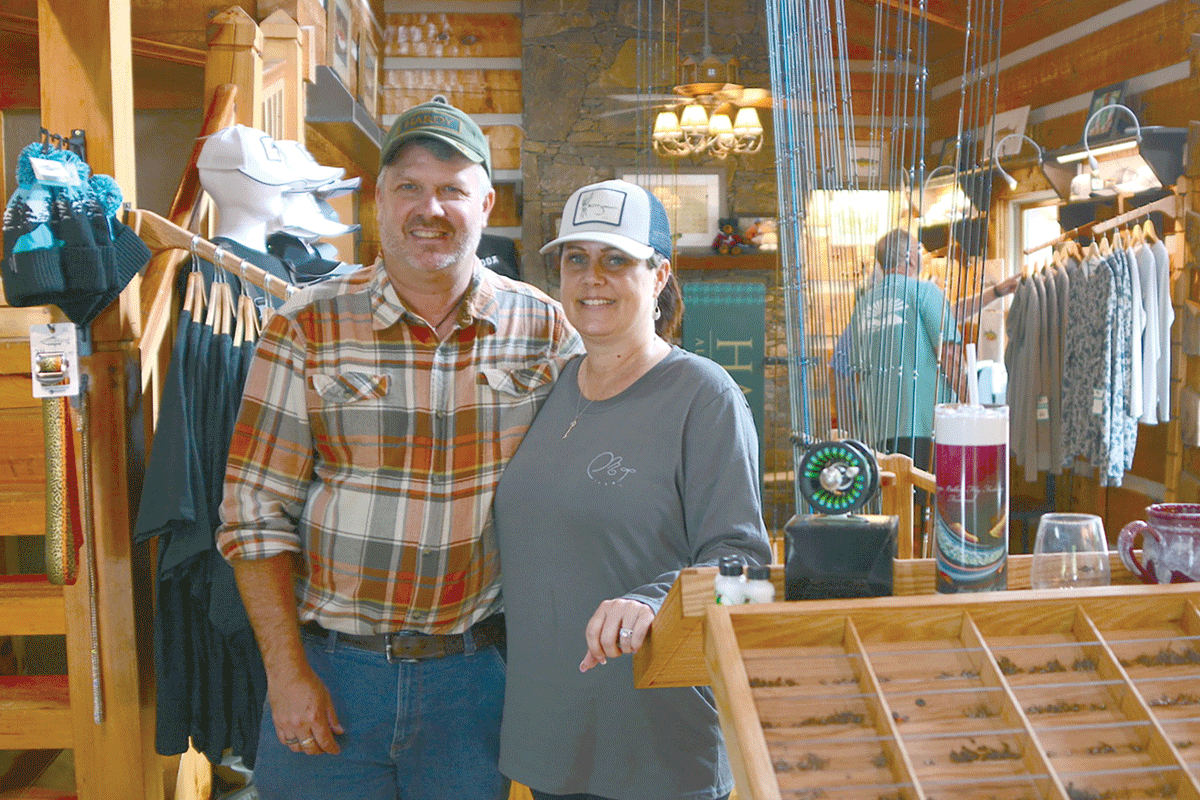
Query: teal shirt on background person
[{"x": 896, "y": 330}]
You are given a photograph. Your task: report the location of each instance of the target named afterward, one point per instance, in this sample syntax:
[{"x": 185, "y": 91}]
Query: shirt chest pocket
[
  {"x": 350, "y": 418},
  {"x": 510, "y": 398}
]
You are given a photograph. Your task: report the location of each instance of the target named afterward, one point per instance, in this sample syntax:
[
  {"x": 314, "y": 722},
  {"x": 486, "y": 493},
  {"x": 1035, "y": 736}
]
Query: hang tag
[
  {"x": 1043, "y": 408},
  {"x": 1097, "y": 401},
  {"x": 54, "y": 173},
  {"x": 54, "y": 360}
]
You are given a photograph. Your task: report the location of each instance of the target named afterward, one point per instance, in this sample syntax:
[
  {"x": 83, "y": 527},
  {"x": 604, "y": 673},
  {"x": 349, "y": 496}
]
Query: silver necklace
[{"x": 578, "y": 413}]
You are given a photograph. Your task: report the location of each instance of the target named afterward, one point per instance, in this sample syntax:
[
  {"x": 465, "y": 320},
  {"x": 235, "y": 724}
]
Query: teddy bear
[
  {"x": 763, "y": 233},
  {"x": 729, "y": 241}
]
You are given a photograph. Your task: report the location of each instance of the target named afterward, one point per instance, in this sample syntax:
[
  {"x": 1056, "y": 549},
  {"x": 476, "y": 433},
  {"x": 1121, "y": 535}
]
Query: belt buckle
[{"x": 391, "y": 653}]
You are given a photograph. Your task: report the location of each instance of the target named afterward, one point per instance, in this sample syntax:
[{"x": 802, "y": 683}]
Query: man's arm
[
  {"x": 970, "y": 306},
  {"x": 300, "y": 703}
]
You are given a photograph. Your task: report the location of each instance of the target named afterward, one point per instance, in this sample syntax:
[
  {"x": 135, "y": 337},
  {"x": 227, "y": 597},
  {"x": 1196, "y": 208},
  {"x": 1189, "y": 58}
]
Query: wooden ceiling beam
[
  {"x": 160, "y": 51},
  {"x": 937, "y": 19}
]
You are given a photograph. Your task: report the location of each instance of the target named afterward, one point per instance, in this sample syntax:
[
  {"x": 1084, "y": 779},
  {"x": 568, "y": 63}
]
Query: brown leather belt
[{"x": 413, "y": 646}]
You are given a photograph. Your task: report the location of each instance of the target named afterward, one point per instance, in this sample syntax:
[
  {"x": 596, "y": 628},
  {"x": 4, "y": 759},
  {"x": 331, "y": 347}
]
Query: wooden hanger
[
  {"x": 1104, "y": 247},
  {"x": 1149, "y": 232},
  {"x": 246, "y": 329}
]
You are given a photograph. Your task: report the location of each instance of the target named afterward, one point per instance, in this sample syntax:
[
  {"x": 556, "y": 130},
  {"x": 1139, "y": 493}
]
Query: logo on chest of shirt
[{"x": 607, "y": 469}]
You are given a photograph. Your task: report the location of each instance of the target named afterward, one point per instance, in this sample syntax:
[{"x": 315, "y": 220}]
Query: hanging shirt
[
  {"x": 1088, "y": 364},
  {"x": 1148, "y": 277},
  {"x": 1162, "y": 263}
]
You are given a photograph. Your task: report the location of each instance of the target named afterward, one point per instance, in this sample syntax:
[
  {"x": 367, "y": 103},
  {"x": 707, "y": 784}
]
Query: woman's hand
[{"x": 619, "y": 626}]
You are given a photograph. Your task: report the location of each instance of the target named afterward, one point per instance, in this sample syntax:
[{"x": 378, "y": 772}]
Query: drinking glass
[{"x": 1070, "y": 551}]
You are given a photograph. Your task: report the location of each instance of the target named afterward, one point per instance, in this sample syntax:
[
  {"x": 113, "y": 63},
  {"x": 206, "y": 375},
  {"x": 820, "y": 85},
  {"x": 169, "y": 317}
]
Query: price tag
[
  {"x": 54, "y": 173},
  {"x": 54, "y": 360},
  {"x": 1097, "y": 401}
]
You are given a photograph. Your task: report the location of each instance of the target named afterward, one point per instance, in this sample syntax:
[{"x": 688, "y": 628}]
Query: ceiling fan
[
  {"x": 715, "y": 97},
  {"x": 707, "y": 112}
]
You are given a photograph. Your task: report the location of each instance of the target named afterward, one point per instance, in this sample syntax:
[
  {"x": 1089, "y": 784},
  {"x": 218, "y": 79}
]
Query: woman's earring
[{"x": 657, "y": 313}]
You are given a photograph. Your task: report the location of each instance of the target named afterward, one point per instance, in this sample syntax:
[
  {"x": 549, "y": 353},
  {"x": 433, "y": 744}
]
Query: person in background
[
  {"x": 642, "y": 461},
  {"x": 378, "y": 415},
  {"x": 900, "y": 330},
  {"x": 902, "y": 327}
]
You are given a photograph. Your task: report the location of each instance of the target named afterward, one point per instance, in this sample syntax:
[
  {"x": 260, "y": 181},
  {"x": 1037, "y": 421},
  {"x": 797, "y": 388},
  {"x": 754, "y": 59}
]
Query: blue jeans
[{"x": 417, "y": 730}]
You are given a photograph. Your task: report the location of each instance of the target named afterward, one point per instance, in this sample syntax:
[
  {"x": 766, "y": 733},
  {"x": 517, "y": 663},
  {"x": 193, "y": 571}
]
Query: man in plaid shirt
[{"x": 378, "y": 415}]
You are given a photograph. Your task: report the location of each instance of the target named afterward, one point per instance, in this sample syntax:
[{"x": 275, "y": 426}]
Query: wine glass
[{"x": 1071, "y": 550}]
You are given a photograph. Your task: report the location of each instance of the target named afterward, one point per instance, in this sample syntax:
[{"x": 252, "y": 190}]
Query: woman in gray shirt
[{"x": 642, "y": 461}]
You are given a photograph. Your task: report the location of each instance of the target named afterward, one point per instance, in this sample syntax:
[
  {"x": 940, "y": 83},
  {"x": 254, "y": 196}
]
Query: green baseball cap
[{"x": 438, "y": 119}]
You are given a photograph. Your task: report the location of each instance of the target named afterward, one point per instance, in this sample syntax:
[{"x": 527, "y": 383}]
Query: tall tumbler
[{"x": 971, "y": 516}]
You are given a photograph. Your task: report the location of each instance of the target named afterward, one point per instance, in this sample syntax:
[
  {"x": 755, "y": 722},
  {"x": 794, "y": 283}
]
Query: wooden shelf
[
  {"x": 31, "y": 606},
  {"x": 709, "y": 260},
  {"x": 35, "y": 713}
]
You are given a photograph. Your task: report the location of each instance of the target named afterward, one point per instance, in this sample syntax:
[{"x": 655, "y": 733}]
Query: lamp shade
[
  {"x": 694, "y": 118},
  {"x": 666, "y": 125},
  {"x": 747, "y": 122},
  {"x": 719, "y": 124}
]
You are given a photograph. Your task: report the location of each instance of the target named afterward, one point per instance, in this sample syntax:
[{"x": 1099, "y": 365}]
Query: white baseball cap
[
  {"x": 303, "y": 217},
  {"x": 248, "y": 151},
  {"x": 301, "y": 162},
  {"x": 616, "y": 213}
]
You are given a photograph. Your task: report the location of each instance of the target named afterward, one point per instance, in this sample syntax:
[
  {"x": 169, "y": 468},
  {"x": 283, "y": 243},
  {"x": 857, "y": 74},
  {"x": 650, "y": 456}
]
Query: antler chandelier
[{"x": 695, "y": 133}]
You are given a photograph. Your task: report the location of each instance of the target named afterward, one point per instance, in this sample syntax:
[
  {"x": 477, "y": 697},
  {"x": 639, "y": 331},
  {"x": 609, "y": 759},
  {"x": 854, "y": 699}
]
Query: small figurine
[
  {"x": 763, "y": 233},
  {"x": 729, "y": 241}
]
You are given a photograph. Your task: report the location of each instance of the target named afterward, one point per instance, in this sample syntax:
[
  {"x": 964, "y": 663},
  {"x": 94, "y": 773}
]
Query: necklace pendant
[{"x": 570, "y": 427}]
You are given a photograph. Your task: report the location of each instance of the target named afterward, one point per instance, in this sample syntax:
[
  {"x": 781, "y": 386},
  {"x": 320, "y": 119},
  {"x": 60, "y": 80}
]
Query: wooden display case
[{"x": 1087, "y": 694}]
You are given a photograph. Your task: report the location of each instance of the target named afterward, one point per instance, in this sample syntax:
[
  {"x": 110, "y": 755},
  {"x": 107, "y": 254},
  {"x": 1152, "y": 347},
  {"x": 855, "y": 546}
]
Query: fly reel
[{"x": 838, "y": 477}]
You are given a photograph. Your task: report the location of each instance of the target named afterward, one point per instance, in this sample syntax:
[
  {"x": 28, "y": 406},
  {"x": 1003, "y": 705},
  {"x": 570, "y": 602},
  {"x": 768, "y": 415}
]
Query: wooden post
[
  {"x": 85, "y": 61},
  {"x": 281, "y": 42},
  {"x": 235, "y": 55}
]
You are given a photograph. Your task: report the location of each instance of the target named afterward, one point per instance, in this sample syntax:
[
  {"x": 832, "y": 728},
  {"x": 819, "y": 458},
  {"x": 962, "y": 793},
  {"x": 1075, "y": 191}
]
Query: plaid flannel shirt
[{"x": 373, "y": 451}]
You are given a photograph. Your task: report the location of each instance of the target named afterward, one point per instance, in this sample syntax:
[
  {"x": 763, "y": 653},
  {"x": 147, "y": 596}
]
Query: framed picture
[
  {"x": 1105, "y": 125},
  {"x": 868, "y": 160},
  {"x": 339, "y": 40},
  {"x": 1007, "y": 123},
  {"x": 367, "y": 75},
  {"x": 693, "y": 201}
]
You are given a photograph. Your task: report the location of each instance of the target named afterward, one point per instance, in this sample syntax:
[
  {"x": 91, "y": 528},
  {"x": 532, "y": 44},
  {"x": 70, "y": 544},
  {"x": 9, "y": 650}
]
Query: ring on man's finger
[
  {"x": 627, "y": 631},
  {"x": 291, "y": 741},
  {"x": 308, "y": 741}
]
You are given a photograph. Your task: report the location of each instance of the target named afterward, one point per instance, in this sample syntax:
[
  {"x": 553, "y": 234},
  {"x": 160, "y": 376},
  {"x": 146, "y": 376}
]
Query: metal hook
[
  {"x": 195, "y": 255},
  {"x": 245, "y": 288},
  {"x": 219, "y": 260}
]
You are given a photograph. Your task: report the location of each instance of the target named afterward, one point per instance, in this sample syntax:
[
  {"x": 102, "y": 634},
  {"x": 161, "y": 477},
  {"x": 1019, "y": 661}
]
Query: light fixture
[
  {"x": 996, "y": 149},
  {"x": 1137, "y": 127},
  {"x": 711, "y": 83},
  {"x": 1143, "y": 159},
  {"x": 695, "y": 133}
]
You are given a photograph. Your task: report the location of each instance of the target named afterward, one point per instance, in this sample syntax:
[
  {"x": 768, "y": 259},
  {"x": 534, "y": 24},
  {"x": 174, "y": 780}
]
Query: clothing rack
[
  {"x": 162, "y": 234},
  {"x": 1168, "y": 204}
]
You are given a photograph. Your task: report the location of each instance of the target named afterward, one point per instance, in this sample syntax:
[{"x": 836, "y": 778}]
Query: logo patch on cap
[
  {"x": 431, "y": 119},
  {"x": 600, "y": 205}
]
